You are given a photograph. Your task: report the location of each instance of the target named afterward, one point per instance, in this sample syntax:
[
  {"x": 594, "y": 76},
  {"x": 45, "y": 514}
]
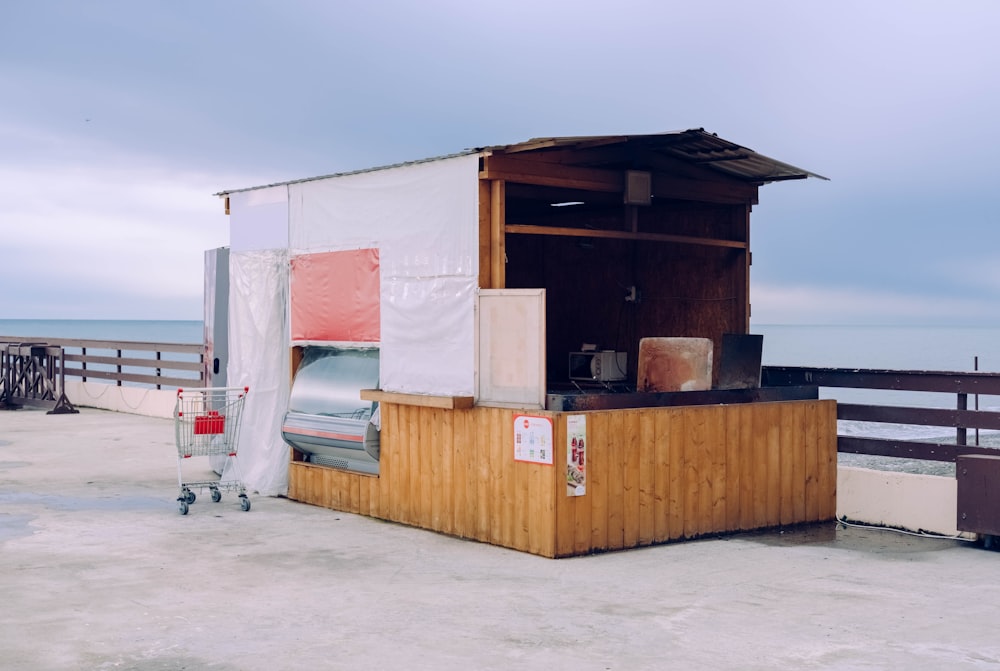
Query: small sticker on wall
[
  {"x": 533, "y": 439},
  {"x": 576, "y": 455}
]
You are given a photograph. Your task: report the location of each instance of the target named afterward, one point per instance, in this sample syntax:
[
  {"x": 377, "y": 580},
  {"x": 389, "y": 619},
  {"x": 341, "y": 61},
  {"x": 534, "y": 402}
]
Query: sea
[{"x": 926, "y": 348}]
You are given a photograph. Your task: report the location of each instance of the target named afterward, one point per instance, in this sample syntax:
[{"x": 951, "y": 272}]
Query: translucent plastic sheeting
[
  {"x": 258, "y": 219},
  {"x": 328, "y": 382},
  {"x": 424, "y": 220},
  {"x": 335, "y": 296},
  {"x": 258, "y": 358}
]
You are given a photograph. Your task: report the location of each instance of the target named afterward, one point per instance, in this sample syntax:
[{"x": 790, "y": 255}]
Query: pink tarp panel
[{"x": 335, "y": 296}]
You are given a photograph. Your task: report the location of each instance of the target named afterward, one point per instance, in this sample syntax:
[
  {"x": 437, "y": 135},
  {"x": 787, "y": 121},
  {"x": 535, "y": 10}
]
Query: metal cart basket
[{"x": 207, "y": 422}]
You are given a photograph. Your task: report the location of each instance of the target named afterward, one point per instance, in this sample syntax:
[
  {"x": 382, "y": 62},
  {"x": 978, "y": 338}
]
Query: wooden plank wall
[{"x": 653, "y": 475}]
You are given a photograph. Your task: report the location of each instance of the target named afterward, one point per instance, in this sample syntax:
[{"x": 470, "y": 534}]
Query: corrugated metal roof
[{"x": 695, "y": 146}]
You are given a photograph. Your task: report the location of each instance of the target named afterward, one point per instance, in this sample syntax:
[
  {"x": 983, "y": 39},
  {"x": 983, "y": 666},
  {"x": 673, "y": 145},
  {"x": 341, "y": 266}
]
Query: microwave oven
[{"x": 598, "y": 366}]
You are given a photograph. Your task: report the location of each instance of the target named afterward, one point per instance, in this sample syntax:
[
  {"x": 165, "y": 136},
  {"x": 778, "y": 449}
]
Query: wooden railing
[
  {"x": 126, "y": 362},
  {"x": 961, "y": 419}
]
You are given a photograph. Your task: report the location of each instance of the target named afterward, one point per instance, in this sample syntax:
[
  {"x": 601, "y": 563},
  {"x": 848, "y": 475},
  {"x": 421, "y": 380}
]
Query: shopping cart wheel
[
  {"x": 183, "y": 507},
  {"x": 244, "y": 503},
  {"x": 216, "y": 496}
]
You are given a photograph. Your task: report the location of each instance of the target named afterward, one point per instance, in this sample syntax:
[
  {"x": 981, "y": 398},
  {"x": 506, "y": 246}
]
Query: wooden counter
[{"x": 654, "y": 475}]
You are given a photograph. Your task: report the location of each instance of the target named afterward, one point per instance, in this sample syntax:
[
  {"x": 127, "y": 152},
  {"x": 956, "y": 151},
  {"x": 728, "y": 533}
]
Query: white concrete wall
[
  {"x": 135, "y": 400},
  {"x": 902, "y": 500}
]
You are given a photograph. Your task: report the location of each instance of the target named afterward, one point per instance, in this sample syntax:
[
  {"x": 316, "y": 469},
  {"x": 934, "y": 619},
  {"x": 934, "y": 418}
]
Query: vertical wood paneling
[
  {"x": 522, "y": 503},
  {"x": 632, "y": 430},
  {"x": 464, "y": 514},
  {"x": 616, "y": 446},
  {"x": 826, "y": 437},
  {"x": 717, "y": 473},
  {"x": 811, "y": 474},
  {"x": 662, "y": 466},
  {"x": 677, "y": 482},
  {"x": 734, "y": 419},
  {"x": 540, "y": 503},
  {"x": 564, "y": 516},
  {"x": 646, "y": 458},
  {"x": 697, "y": 464},
  {"x": 771, "y": 482},
  {"x": 484, "y": 482},
  {"x": 653, "y": 475},
  {"x": 597, "y": 479}
]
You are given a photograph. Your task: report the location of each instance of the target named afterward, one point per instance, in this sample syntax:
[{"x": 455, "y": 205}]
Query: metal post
[{"x": 975, "y": 367}]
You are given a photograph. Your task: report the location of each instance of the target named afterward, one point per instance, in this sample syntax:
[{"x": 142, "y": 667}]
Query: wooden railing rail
[
  {"x": 961, "y": 419},
  {"x": 128, "y": 362}
]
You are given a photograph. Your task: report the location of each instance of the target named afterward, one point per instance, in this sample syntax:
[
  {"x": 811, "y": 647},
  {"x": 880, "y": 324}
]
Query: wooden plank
[
  {"x": 748, "y": 458},
  {"x": 598, "y": 461},
  {"x": 647, "y": 476},
  {"x": 509, "y": 491},
  {"x": 827, "y": 438},
  {"x": 662, "y": 474},
  {"x": 419, "y": 400},
  {"x": 522, "y": 473},
  {"x": 565, "y": 231},
  {"x": 541, "y": 497},
  {"x": 354, "y": 487},
  {"x": 485, "y": 483},
  {"x": 498, "y": 248},
  {"x": 432, "y": 445},
  {"x": 734, "y": 419},
  {"x": 697, "y": 495},
  {"x": 770, "y": 477},
  {"x": 500, "y": 481},
  {"x": 632, "y": 470},
  {"x": 811, "y": 414},
  {"x": 677, "y": 483},
  {"x": 799, "y": 450},
  {"x": 617, "y": 444},
  {"x": 463, "y": 515},
  {"x": 786, "y": 504},
  {"x": 409, "y": 485},
  {"x": 565, "y": 506},
  {"x": 715, "y": 443},
  {"x": 388, "y": 462}
]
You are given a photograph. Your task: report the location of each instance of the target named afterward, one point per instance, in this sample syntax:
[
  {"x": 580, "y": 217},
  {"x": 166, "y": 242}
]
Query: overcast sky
[{"x": 119, "y": 120}]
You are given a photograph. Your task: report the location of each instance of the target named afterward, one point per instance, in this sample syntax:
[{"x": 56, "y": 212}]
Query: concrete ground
[{"x": 99, "y": 571}]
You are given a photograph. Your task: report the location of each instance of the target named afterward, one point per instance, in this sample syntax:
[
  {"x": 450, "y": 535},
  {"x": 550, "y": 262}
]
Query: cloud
[{"x": 805, "y": 304}]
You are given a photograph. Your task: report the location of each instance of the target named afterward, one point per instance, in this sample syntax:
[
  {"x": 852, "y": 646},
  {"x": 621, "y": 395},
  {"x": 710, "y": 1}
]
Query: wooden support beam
[
  {"x": 498, "y": 246},
  {"x": 524, "y": 229},
  {"x": 485, "y": 235},
  {"x": 500, "y": 166}
]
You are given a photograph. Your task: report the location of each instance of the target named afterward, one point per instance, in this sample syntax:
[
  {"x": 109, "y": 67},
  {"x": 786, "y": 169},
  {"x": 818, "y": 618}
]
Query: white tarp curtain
[
  {"x": 258, "y": 358},
  {"x": 423, "y": 218},
  {"x": 258, "y": 219}
]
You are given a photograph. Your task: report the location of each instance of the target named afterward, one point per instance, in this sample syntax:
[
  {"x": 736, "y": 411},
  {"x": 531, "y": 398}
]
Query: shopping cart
[{"x": 206, "y": 423}]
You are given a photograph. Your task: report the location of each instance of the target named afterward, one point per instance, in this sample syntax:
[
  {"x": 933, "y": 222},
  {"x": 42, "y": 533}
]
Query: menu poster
[
  {"x": 533, "y": 439},
  {"x": 576, "y": 455}
]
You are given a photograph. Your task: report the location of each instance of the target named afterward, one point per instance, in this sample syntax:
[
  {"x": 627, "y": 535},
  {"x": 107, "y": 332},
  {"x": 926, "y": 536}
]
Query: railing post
[
  {"x": 119, "y": 369},
  {"x": 960, "y": 432},
  {"x": 158, "y": 358}
]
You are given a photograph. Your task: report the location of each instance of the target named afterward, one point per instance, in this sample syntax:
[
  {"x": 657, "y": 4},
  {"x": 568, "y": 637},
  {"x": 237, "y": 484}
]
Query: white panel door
[{"x": 512, "y": 347}]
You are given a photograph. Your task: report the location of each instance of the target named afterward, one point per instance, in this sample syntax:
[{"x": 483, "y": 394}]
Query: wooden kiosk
[{"x": 615, "y": 239}]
